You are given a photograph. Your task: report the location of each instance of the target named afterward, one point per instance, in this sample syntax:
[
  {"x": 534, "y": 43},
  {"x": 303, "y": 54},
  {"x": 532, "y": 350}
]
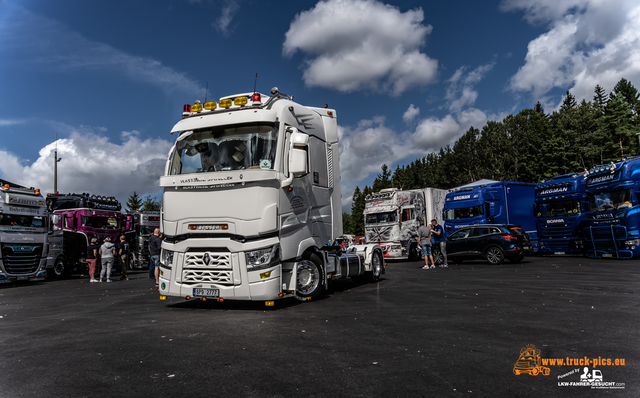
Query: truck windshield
[
  {"x": 379, "y": 218},
  {"x": 101, "y": 222},
  {"x": 15, "y": 220},
  {"x": 611, "y": 200},
  {"x": 555, "y": 209},
  {"x": 465, "y": 212},
  {"x": 239, "y": 147},
  {"x": 146, "y": 230}
]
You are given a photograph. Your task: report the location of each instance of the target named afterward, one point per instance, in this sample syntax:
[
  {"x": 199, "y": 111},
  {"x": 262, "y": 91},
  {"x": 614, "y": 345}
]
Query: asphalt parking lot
[{"x": 416, "y": 333}]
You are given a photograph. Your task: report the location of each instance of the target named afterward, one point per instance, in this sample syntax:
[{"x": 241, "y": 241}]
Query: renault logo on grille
[{"x": 207, "y": 259}]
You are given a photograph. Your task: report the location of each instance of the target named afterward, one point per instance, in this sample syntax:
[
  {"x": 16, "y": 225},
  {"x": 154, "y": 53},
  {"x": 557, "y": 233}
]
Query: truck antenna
[
  {"x": 255, "y": 82},
  {"x": 206, "y": 92}
]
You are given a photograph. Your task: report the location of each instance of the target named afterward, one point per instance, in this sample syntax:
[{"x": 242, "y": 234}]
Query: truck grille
[
  {"x": 21, "y": 259},
  {"x": 212, "y": 267}
]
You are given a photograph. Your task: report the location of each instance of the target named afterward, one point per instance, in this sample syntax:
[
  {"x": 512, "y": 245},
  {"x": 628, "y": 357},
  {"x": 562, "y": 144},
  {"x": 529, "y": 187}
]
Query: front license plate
[
  {"x": 527, "y": 247},
  {"x": 607, "y": 255},
  {"x": 559, "y": 253},
  {"x": 22, "y": 278},
  {"x": 206, "y": 292}
]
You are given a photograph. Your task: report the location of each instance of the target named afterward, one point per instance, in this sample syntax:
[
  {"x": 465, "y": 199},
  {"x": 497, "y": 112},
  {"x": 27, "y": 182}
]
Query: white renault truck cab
[{"x": 251, "y": 201}]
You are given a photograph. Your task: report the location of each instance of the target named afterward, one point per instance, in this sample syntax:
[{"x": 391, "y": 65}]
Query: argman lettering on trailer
[
  {"x": 555, "y": 190},
  {"x": 603, "y": 178},
  {"x": 462, "y": 197}
]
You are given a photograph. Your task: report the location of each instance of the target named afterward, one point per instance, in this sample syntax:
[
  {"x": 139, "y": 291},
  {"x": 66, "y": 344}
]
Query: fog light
[
  {"x": 269, "y": 303},
  {"x": 2, "y": 276},
  {"x": 163, "y": 297},
  {"x": 265, "y": 275}
]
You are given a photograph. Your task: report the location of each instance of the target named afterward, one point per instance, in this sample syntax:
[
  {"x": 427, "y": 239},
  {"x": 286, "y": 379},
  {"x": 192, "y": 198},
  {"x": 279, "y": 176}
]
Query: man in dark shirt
[
  {"x": 440, "y": 240},
  {"x": 123, "y": 253},
  {"x": 155, "y": 244},
  {"x": 92, "y": 258}
]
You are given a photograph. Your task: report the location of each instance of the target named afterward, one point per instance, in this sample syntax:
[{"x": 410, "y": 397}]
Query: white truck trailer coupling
[
  {"x": 392, "y": 218},
  {"x": 251, "y": 197},
  {"x": 23, "y": 233}
]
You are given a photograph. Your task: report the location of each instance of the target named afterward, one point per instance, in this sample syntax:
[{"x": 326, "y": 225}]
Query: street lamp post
[{"x": 55, "y": 171}]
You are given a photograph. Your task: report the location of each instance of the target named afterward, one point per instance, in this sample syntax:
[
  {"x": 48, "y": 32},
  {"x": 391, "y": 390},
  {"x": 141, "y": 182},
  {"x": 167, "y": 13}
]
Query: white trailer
[
  {"x": 23, "y": 233},
  {"x": 251, "y": 198},
  {"x": 392, "y": 218}
]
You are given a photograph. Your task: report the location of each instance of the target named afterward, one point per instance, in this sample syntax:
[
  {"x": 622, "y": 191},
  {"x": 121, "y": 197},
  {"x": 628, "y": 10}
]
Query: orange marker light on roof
[
  {"x": 210, "y": 105},
  {"x": 37, "y": 191},
  {"x": 6, "y": 186}
]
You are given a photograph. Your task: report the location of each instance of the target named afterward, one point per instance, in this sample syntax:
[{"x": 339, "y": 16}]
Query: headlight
[
  {"x": 167, "y": 257},
  {"x": 263, "y": 258}
]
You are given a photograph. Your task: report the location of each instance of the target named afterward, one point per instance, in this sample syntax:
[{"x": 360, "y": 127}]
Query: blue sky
[{"x": 406, "y": 77}]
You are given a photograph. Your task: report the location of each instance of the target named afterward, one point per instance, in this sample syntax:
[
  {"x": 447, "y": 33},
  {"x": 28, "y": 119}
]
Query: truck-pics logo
[
  {"x": 530, "y": 362},
  {"x": 589, "y": 378},
  {"x": 555, "y": 190}
]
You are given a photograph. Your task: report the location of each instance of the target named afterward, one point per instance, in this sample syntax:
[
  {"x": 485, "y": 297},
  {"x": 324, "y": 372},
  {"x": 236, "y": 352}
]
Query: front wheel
[
  {"x": 438, "y": 258},
  {"x": 495, "y": 255},
  {"x": 59, "y": 269},
  {"x": 413, "y": 252},
  {"x": 309, "y": 278},
  {"x": 376, "y": 267}
]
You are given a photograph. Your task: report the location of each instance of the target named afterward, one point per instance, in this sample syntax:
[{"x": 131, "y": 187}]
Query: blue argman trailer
[
  {"x": 499, "y": 202},
  {"x": 560, "y": 208},
  {"x": 614, "y": 222}
]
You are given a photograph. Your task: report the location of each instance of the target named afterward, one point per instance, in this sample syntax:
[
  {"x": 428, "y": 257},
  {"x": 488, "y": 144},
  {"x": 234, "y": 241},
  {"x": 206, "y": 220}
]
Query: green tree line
[{"x": 529, "y": 147}]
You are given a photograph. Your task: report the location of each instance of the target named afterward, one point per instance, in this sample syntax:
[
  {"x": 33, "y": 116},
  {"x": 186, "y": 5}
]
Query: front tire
[
  {"x": 376, "y": 267},
  {"x": 494, "y": 255},
  {"x": 413, "y": 252},
  {"x": 438, "y": 258},
  {"x": 60, "y": 269},
  {"x": 309, "y": 278}
]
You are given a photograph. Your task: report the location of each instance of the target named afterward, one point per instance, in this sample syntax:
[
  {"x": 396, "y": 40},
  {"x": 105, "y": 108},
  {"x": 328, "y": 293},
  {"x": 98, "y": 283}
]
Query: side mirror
[{"x": 298, "y": 156}]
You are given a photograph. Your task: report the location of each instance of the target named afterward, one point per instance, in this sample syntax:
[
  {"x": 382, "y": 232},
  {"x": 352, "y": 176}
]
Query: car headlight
[
  {"x": 263, "y": 258},
  {"x": 166, "y": 258}
]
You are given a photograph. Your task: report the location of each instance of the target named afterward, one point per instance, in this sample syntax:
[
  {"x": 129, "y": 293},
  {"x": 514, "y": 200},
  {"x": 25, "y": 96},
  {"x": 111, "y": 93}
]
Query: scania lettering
[
  {"x": 392, "y": 218},
  {"x": 75, "y": 220},
  {"x": 23, "y": 233},
  {"x": 614, "y": 210},
  {"x": 560, "y": 210},
  {"x": 251, "y": 199},
  {"x": 491, "y": 202}
]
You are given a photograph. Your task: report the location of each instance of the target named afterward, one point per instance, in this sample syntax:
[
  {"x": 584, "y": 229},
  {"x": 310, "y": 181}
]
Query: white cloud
[
  {"x": 589, "y": 42},
  {"x": 11, "y": 122},
  {"x": 410, "y": 113},
  {"x": 92, "y": 163},
  {"x": 40, "y": 41},
  {"x": 361, "y": 44},
  {"x": 224, "y": 20},
  {"x": 460, "y": 92}
]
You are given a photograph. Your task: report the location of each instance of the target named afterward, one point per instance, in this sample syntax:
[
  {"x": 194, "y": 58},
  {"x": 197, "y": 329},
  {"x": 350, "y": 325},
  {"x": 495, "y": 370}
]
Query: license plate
[
  {"x": 22, "y": 278},
  {"x": 559, "y": 253},
  {"x": 607, "y": 255},
  {"x": 206, "y": 292},
  {"x": 527, "y": 247}
]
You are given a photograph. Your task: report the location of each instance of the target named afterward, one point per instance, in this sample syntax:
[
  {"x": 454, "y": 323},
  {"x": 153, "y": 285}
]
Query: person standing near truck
[
  {"x": 123, "y": 252},
  {"x": 424, "y": 241},
  {"x": 92, "y": 258},
  {"x": 440, "y": 240},
  {"x": 155, "y": 244},
  {"x": 107, "y": 252}
]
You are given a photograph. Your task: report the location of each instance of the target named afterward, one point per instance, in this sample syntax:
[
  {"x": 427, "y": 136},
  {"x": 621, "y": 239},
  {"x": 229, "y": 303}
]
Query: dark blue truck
[
  {"x": 560, "y": 208},
  {"x": 614, "y": 213},
  {"x": 500, "y": 202}
]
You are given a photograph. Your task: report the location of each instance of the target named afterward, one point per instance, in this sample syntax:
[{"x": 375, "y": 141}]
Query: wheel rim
[
  {"x": 58, "y": 267},
  {"x": 438, "y": 258},
  {"x": 494, "y": 255},
  {"x": 308, "y": 277},
  {"x": 376, "y": 264}
]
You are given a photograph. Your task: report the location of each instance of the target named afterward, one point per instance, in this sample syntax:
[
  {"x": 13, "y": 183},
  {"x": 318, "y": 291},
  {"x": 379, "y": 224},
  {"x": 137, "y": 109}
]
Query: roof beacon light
[
  {"x": 210, "y": 105},
  {"x": 257, "y": 100},
  {"x": 242, "y": 101},
  {"x": 186, "y": 108},
  {"x": 225, "y": 103}
]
